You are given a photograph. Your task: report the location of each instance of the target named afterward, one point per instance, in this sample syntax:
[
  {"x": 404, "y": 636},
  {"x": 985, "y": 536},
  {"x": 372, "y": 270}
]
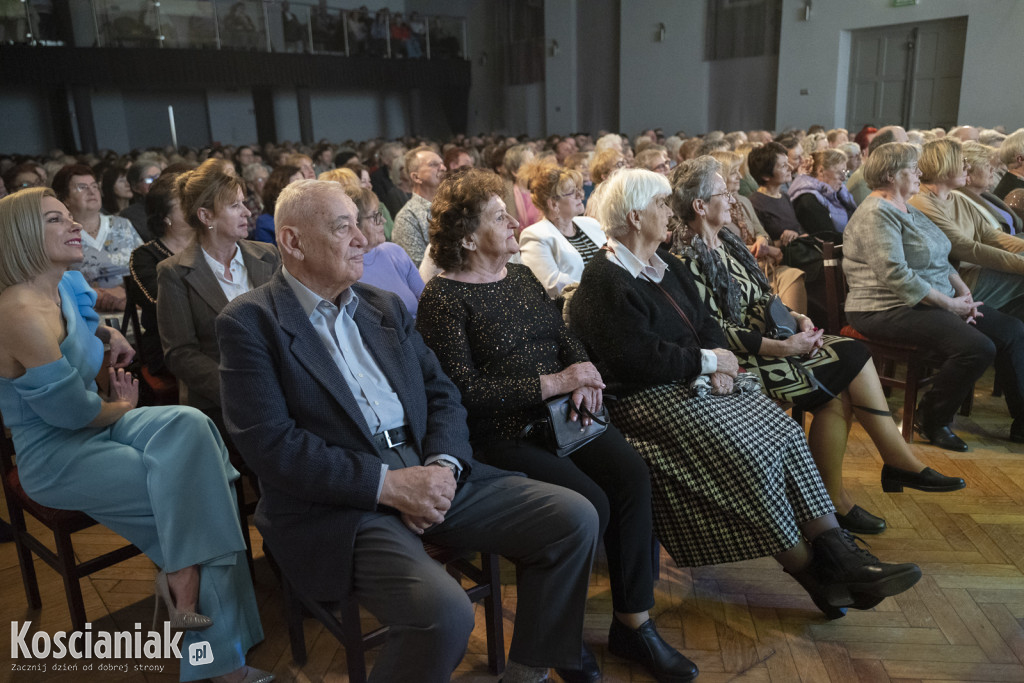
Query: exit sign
[{"x": 903, "y": 3}]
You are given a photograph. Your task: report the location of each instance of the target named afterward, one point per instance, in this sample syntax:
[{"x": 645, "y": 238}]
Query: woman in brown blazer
[{"x": 198, "y": 282}]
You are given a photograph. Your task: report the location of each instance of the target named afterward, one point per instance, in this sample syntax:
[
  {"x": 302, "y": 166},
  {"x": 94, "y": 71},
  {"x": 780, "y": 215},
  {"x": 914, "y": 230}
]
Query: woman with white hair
[{"x": 732, "y": 475}]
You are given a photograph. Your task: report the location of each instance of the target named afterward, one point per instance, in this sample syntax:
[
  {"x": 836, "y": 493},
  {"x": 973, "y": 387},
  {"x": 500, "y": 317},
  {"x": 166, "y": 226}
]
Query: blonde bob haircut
[
  {"x": 886, "y": 161},
  {"x": 941, "y": 159},
  {"x": 630, "y": 189},
  {"x": 346, "y": 177},
  {"x": 22, "y": 242}
]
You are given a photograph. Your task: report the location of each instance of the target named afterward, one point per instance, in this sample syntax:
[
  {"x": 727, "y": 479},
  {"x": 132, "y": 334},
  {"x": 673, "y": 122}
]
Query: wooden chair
[
  {"x": 888, "y": 356},
  {"x": 63, "y": 523},
  {"x": 343, "y": 622},
  {"x": 162, "y": 390}
]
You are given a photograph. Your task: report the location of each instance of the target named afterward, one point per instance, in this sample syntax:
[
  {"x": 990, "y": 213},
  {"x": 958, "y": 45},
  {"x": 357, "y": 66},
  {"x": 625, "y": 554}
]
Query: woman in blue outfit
[{"x": 160, "y": 477}]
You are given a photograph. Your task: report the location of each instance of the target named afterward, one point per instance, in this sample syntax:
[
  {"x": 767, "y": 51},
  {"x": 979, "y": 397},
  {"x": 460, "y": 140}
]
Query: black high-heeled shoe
[{"x": 895, "y": 479}]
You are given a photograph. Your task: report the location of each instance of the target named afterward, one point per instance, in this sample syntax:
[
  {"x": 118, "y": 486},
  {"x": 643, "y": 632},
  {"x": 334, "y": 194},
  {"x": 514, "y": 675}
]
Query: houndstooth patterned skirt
[{"x": 732, "y": 476}]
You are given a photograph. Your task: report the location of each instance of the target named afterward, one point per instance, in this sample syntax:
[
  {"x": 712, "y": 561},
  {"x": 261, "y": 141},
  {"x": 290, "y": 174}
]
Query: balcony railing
[{"x": 301, "y": 27}]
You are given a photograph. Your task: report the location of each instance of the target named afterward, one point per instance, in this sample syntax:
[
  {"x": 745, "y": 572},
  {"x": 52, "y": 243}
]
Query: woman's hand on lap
[{"x": 124, "y": 388}]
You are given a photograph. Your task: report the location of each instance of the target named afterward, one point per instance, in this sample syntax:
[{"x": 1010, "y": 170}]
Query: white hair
[
  {"x": 630, "y": 189},
  {"x": 609, "y": 141}
]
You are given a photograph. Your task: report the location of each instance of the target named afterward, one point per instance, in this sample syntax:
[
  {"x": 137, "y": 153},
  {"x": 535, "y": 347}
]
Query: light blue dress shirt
[{"x": 337, "y": 329}]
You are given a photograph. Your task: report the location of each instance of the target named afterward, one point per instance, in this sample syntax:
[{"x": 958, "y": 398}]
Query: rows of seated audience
[{"x": 672, "y": 288}]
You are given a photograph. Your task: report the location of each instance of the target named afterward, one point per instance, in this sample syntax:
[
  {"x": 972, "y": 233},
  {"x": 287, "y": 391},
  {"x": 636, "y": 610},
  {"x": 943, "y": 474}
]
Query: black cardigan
[{"x": 632, "y": 332}]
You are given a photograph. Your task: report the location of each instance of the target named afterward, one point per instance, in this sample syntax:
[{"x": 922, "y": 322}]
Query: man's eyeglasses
[
  {"x": 375, "y": 218},
  {"x": 82, "y": 188},
  {"x": 731, "y": 196}
]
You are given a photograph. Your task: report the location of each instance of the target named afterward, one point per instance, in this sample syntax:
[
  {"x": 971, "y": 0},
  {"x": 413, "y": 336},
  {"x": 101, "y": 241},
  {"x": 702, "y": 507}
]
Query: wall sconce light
[
  {"x": 807, "y": 10},
  {"x": 554, "y": 48},
  {"x": 661, "y": 32}
]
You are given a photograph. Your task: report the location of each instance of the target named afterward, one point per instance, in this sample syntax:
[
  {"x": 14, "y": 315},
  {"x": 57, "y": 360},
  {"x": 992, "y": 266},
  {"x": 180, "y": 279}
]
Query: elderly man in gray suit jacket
[{"x": 361, "y": 446}]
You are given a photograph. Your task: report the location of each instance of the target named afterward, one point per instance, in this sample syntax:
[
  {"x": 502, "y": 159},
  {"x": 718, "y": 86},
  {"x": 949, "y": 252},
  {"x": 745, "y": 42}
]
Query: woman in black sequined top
[{"x": 502, "y": 341}]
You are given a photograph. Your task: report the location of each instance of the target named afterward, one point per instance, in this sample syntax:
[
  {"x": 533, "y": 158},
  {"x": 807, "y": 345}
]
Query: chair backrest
[
  {"x": 131, "y": 310},
  {"x": 6, "y": 450},
  {"x": 835, "y": 287}
]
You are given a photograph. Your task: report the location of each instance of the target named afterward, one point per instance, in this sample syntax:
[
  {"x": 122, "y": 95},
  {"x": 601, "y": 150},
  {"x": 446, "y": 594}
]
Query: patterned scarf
[{"x": 715, "y": 273}]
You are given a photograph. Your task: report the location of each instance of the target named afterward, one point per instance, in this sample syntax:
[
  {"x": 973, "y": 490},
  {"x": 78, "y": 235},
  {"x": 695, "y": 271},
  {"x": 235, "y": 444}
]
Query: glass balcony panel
[
  {"x": 127, "y": 23},
  {"x": 242, "y": 25},
  {"x": 188, "y": 24},
  {"x": 447, "y": 36}
]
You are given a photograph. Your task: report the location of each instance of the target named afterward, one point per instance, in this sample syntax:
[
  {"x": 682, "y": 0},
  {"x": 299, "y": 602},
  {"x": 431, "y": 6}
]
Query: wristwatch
[{"x": 449, "y": 465}]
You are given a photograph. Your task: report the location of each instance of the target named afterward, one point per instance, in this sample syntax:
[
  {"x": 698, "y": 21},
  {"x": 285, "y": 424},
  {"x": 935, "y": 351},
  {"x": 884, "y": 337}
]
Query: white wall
[
  {"x": 662, "y": 84},
  {"x": 814, "y": 55},
  {"x": 232, "y": 117}
]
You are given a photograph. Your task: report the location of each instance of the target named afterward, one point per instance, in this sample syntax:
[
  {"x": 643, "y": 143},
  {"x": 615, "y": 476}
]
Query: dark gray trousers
[{"x": 548, "y": 532}]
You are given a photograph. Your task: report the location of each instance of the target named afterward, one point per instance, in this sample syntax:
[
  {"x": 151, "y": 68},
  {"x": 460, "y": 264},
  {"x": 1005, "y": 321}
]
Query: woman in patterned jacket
[{"x": 823, "y": 374}]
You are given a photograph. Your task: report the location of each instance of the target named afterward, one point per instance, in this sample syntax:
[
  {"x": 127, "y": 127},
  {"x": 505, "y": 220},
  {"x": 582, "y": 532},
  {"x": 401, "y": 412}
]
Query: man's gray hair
[{"x": 300, "y": 204}]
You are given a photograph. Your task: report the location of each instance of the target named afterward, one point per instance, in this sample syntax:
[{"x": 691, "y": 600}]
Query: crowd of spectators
[{"x": 663, "y": 268}]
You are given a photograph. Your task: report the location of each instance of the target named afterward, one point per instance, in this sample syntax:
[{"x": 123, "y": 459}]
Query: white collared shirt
[
  {"x": 653, "y": 270},
  {"x": 239, "y": 282}
]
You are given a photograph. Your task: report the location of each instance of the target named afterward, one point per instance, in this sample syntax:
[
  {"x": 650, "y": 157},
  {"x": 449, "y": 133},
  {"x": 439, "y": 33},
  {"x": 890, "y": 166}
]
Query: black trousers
[
  {"x": 614, "y": 478},
  {"x": 965, "y": 352}
]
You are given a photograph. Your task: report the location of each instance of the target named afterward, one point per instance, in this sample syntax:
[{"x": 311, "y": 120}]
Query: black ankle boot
[
  {"x": 851, "y": 576},
  {"x": 809, "y": 581}
]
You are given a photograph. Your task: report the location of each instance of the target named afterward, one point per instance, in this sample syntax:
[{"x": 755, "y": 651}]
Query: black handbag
[
  {"x": 804, "y": 252},
  {"x": 779, "y": 321},
  {"x": 563, "y": 435}
]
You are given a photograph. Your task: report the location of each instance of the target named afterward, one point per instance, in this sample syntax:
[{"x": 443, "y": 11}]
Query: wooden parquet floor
[{"x": 742, "y": 622}]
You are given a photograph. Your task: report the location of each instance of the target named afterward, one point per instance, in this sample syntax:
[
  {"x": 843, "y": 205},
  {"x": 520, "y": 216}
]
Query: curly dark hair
[{"x": 455, "y": 213}]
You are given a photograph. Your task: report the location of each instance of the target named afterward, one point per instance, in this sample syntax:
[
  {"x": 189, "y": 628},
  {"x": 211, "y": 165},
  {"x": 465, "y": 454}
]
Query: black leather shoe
[
  {"x": 646, "y": 647},
  {"x": 894, "y": 479},
  {"x": 860, "y": 521},
  {"x": 851, "y": 575},
  {"x": 589, "y": 673},
  {"x": 943, "y": 437}
]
